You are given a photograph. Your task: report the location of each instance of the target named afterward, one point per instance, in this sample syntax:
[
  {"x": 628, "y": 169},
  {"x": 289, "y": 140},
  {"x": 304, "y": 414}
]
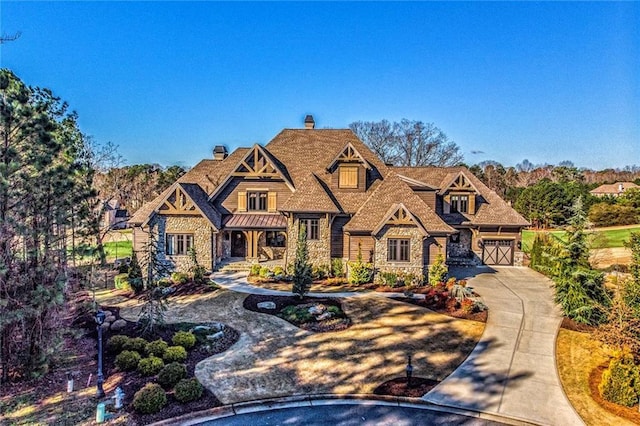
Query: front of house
[{"x": 251, "y": 204}]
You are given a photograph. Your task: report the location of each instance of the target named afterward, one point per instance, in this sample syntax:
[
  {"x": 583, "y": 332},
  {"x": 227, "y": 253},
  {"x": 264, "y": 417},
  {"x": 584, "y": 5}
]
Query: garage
[{"x": 497, "y": 252}]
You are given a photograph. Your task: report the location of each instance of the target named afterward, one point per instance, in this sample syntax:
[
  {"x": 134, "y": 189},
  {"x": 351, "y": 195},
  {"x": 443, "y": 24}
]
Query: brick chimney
[
  {"x": 308, "y": 122},
  {"x": 219, "y": 153}
]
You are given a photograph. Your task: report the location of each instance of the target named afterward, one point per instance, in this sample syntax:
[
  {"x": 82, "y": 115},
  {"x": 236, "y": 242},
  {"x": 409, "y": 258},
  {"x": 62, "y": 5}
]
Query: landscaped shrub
[
  {"x": 127, "y": 360},
  {"x": 185, "y": 339},
  {"x": 460, "y": 293},
  {"x": 188, "y": 390},
  {"x": 296, "y": 314},
  {"x": 336, "y": 311},
  {"x": 620, "y": 381},
  {"x": 320, "y": 272},
  {"x": 150, "y": 399},
  {"x": 468, "y": 306},
  {"x": 264, "y": 272},
  {"x": 175, "y": 354},
  {"x": 156, "y": 348},
  {"x": 336, "y": 281},
  {"x": 337, "y": 267},
  {"x": 121, "y": 281},
  {"x": 134, "y": 274},
  {"x": 361, "y": 272},
  {"x": 137, "y": 344},
  {"x": 150, "y": 366},
  {"x": 255, "y": 269},
  {"x": 165, "y": 282},
  {"x": 171, "y": 374},
  {"x": 438, "y": 270},
  {"x": 278, "y": 271},
  {"x": 388, "y": 279},
  {"x": 179, "y": 278},
  {"x": 116, "y": 343}
]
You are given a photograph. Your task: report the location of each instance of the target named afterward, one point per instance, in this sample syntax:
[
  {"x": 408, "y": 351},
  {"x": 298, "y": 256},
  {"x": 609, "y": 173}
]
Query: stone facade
[
  {"x": 460, "y": 246},
  {"x": 415, "y": 265},
  {"x": 203, "y": 240},
  {"x": 319, "y": 250}
]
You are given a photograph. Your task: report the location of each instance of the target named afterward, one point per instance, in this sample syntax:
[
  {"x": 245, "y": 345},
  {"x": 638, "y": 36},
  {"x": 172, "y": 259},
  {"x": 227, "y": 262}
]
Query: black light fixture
[
  {"x": 100, "y": 317},
  {"x": 409, "y": 370}
]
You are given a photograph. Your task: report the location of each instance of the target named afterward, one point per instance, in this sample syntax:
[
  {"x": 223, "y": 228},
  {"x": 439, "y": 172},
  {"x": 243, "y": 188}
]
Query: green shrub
[
  {"x": 620, "y": 381},
  {"x": 296, "y": 314},
  {"x": 121, "y": 282},
  {"x": 116, "y": 343},
  {"x": 150, "y": 366},
  {"x": 175, "y": 354},
  {"x": 165, "y": 282},
  {"x": 337, "y": 268},
  {"x": 150, "y": 399},
  {"x": 255, "y": 269},
  {"x": 137, "y": 344},
  {"x": 278, "y": 270},
  {"x": 156, "y": 348},
  {"x": 460, "y": 293},
  {"x": 264, "y": 272},
  {"x": 179, "y": 278},
  {"x": 438, "y": 270},
  {"x": 336, "y": 311},
  {"x": 171, "y": 374},
  {"x": 361, "y": 273},
  {"x": 127, "y": 360},
  {"x": 188, "y": 390},
  {"x": 389, "y": 279},
  {"x": 319, "y": 272},
  {"x": 185, "y": 339}
]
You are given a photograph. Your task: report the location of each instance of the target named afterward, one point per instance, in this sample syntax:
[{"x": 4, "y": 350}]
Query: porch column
[{"x": 252, "y": 238}]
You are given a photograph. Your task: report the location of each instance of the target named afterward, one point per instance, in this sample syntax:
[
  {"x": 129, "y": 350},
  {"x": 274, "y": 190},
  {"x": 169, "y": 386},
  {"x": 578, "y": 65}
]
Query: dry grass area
[
  {"x": 578, "y": 356},
  {"x": 274, "y": 358},
  {"x": 603, "y": 258}
]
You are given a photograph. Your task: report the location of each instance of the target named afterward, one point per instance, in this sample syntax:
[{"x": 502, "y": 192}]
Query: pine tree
[{"x": 301, "y": 268}]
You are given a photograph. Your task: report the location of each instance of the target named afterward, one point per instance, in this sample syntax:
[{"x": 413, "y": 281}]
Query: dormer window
[
  {"x": 257, "y": 201},
  {"x": 348, "y": 177},
  {"x": 460, "y": 203}
]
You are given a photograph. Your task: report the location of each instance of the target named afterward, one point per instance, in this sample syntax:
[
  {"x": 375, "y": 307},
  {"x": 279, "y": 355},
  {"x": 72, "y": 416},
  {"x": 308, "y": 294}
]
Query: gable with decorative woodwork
[{"x": 459, "y": 196}]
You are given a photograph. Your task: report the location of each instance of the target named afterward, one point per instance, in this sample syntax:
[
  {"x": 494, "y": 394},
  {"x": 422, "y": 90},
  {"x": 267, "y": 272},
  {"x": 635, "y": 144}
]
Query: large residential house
[
  {"x": 252, "y": 203},
  {"x": 613, "y": 189}
]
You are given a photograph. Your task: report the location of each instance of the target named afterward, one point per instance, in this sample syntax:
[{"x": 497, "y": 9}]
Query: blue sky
[{"x": 167, "y": 81}]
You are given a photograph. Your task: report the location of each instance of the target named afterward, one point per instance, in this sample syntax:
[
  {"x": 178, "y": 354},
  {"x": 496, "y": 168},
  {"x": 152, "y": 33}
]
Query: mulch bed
[
  {"x": 569, "y": 324},
  {"x": 334, "y": 324},
  {"x": 629, "y": 413},
  {"x": 456, "y": 313},
  {"x": 399, "y": 387},
  {"x": 130, "y": 382}
]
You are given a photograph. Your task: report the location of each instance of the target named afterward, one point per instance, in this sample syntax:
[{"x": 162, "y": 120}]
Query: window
[
  {"x": 398, "y": 249},
  {"x": 257, "y": 201},
  {"x": 348, "y": 177},
  {"x": 275, "y": 239},
  {"x": 178, "y": 244},
  {"x": 460, "y": 203},
  {"x": 312, "y": 227}
]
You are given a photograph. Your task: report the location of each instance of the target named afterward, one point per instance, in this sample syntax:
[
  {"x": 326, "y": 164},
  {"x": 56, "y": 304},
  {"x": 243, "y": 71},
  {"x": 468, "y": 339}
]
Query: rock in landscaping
[
  {"x": 110, "y": 318},
  {"x": 266, "y": 305},
  {"x": 199, "y": 328},
  {"x": 317, "y": 309},
  {"x": 216, "y": 336},
  {"x": 107, "y": 314},
  {"x": 118, "y": 325},
  {"x": 105, "y": 326},
  {"x": 325, "y": 316}
]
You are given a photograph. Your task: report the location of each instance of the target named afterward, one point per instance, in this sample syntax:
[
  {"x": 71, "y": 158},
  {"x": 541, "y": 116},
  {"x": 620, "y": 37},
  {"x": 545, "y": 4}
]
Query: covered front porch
[{"x": 254, "y": 238}]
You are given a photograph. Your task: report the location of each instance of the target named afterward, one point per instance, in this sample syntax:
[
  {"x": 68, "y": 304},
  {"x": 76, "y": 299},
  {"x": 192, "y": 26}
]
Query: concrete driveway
[{"x": 512, "y": 370}]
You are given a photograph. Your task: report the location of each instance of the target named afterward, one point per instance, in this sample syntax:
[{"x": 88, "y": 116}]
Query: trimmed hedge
[{"x": 150, "y": 399}]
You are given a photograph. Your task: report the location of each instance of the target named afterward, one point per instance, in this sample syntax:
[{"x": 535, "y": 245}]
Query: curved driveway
[{"x": 512, "y": 370}]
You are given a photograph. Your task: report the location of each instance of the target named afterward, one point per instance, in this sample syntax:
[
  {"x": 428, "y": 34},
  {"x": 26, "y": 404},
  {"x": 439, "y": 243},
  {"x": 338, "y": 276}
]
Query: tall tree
[
  {"x": 301, "y": 267},
  {"x": 408, "y": 143}
]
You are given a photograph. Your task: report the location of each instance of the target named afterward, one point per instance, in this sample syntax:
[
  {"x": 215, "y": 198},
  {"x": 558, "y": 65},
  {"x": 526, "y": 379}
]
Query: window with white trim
[{"x": 178, "y": 244}]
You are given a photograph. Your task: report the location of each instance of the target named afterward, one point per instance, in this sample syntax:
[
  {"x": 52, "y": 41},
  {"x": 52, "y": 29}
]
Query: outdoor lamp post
[
  {"x": 100, "y": 316},
  {"x": 409, "y": 370}
]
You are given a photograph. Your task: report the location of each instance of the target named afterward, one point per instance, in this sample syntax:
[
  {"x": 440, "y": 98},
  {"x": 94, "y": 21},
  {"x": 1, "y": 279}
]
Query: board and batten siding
[
  {"x": 227, "y": 201},
  {"x": 367, "y": 245}
]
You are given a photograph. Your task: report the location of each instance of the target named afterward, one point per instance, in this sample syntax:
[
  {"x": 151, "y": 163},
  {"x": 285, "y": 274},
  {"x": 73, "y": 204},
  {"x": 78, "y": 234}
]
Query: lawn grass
[
  {"x": 118, "y": 249},
  {"x": 601, "y": 238},
  {"x": 577, "y": 356}
]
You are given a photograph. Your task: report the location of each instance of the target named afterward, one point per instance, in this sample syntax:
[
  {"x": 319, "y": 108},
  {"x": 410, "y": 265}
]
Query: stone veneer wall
[
  {"x": 319, "y": 250},
  {"x": 203, "y": 238},
  {"x": 415, "y": 265},
  {"x": 463, "y": 247}
]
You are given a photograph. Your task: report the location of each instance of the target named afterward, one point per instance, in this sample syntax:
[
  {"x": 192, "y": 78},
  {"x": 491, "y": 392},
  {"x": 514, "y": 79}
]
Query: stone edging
[{"x": 329, "y": 399}]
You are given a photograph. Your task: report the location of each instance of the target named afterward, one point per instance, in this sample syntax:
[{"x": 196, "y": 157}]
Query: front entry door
[{"x": 238, "y": 244}]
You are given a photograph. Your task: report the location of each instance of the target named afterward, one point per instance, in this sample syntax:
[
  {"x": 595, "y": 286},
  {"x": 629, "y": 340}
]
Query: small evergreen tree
[
  {"x": 154, "y": 307},
  {"x": 301, "y": 268},
  {"x": 438, "y": 270},
  {"x": 134, "y": 274},
  {"x": 361, "y": 272}
]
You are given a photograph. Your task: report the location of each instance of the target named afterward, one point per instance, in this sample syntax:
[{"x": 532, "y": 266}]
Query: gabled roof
[
  {"x": 396, "y": 214},
  {"x": 207, "y": 174},
  {"x": 349, "y": 153},
  {"x": 198, "y": 203},
  {"x": 493, "y": 210},
  {"x": 311, "y": 195},
  {"x": 391, "y": 192},
  {"x": 613, "y": 188},
  {"x": 248, "y": 166},
  {"x": 452, "y": 178}
]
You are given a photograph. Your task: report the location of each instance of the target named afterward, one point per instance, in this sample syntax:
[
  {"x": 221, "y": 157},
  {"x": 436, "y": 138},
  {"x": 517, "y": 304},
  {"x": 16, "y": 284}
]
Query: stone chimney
[
  {"x": 308, "y": 122},
  {"x": 219, "y": 153}
]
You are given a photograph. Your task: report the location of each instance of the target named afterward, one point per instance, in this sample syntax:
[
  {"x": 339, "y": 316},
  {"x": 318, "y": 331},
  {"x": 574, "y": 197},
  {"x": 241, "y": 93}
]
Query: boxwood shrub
[
  {"x": 150, "y": 366},
  {"x": 116, "y": 343},
  {"x": 188, "y": 390},
  {"x": 171, "y": 374},
  {"x": 127, "y": 360},
  {"x": 150, "y": 399},
  {"x": 137, "y": 344},
  {"x": 156, "y": 348},
  {"x": 185, "y": 339},
  {"x": 175, "y": 354}
]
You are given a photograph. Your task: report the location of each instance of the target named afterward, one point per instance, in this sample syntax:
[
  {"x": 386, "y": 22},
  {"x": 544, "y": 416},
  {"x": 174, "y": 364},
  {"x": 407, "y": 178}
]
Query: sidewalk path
[{"x": 512, "y": 370}]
